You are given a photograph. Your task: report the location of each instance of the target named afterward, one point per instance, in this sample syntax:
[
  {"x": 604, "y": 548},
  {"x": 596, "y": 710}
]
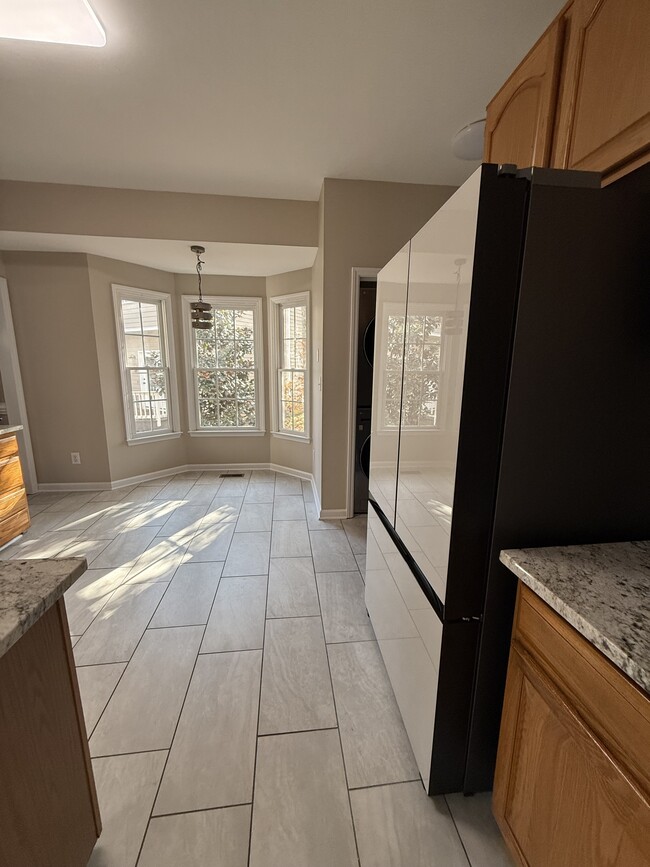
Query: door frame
[
  {"x": 13, "y": 388},
  {"x": 358, "y": 274}
]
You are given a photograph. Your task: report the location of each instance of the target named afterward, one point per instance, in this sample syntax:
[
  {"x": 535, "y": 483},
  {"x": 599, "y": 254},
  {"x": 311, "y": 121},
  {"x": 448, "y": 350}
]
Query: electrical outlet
[{"x": 75, "y": 457}]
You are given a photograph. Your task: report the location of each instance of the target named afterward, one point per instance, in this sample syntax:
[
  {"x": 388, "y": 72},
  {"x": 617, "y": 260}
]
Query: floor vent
[{"x": 231, "y": 475}]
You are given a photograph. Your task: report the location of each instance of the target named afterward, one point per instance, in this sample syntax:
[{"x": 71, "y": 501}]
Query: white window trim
[
  {"x": 235, "y": 301},
  {"x": 275, "y": 305},
  {"x": 132, "y": 293}
]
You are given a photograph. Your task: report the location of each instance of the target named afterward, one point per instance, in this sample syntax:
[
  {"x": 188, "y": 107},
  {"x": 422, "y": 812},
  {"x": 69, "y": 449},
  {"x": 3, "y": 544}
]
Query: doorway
[
  {"x": 362, "y": 342},
  {"x": 14, "y": 411}
]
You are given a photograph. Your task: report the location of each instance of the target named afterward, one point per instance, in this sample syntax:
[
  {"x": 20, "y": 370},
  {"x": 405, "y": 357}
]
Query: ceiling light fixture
[
  {"x": 467, "y": 144},
  {"x": 72, "y": 22},
  {"x": 201, "y": 311}
]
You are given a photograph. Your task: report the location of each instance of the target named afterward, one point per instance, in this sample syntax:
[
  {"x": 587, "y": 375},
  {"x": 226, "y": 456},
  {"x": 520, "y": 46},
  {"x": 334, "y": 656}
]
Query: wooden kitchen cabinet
[
  {"x": 14, "y": 511},
  {"x": 572, "y": 785},
  {"x": 603, "y": 121},
  {"x": 519, "y": 120},
  {"x": 581, "y": 98}
]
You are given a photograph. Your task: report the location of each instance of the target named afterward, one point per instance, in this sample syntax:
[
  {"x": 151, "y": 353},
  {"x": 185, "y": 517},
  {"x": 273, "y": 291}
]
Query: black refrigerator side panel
[
  {"x": 576, "y": 451},
  {"x": 495, "y": 284}
]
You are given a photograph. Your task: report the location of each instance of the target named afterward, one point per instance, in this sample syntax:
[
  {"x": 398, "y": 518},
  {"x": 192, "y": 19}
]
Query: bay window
[{"x": 289, "y": 326}]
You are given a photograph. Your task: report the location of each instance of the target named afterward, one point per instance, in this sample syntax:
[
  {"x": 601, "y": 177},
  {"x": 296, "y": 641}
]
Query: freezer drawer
[{"x": 409, "y": 634}]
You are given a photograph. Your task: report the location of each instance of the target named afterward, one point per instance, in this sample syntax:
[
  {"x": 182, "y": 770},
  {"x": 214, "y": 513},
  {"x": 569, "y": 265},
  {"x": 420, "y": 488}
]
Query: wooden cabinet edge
[{"x": 81, "y": 722}]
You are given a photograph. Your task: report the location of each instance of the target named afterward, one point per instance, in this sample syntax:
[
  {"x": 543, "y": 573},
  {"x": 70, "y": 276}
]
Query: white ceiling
[
  {"x": 246, "y": 260},
  {"x": 259, "y": 98}
]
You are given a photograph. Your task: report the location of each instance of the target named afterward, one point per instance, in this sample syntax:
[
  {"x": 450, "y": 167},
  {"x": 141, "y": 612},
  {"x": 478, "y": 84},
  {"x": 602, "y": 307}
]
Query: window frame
[
  {"x": 276, "y": 304},
  {"x": 167, "y": 342},
  {"x": 244, "y": 302}
]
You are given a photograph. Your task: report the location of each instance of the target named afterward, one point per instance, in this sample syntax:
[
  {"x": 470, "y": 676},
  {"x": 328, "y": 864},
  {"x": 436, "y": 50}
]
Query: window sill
[
  {"x": 223, "y": 433},
  {"x": 156, "y": 438},
  {"x": 298, "y": 438}
]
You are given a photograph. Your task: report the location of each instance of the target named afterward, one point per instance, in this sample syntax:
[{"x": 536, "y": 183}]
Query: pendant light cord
[{"x": 199, "y": 265}]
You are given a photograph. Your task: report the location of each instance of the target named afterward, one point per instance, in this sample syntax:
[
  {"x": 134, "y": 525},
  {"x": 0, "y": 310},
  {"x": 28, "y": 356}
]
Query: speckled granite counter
[
  {"x": 28, "y": 588},
  {"x": 603, "y": 591},
  {"x": 9, "y": 429}
]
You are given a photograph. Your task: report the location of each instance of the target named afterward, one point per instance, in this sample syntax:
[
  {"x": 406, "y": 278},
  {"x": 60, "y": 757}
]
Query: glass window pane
[
  {"x": 299, "y": 416},
  {"x": 224, "y": 324},
  {"x": 206, "y": 382},
  {"x": 301, "y": 353},
  {"x": 243, "y": 324},
  {"x": 150, "y": 314},
  {"x": 287, "y": 415},
  {"x": 143, "y": 421},
  {"x": 244, "y": 355},
  {"x": 158, "y": 384},
  {"x": 131, "y": 317},
  {"x": 287, "y": 323},
  {"x": 134, "y": 350},
  {"x": 301, "y": 321},
  {"x": 245, "y": 385},
  {"x": 432, "y": 328},
  {"x": 225, "y": 353},
  {"x": 287, "y": 353},
  {"x": 139, "y": 384},
  {"x": 431, "y": 356},
  {"x": 246, "y": 413},
  {"x": 160, "y": 415},
  {"x": 286, "y": 385},
  {"x": 208, "y": 412},
  {"x": 227, "y": 384},
  {"x": 206, "y": 352},
  {"x": 152, "y": 351},
  {"x": 228, "y": 413},
  {"x": 413, "y": 358},
  {"x": 299, "y": 387}
]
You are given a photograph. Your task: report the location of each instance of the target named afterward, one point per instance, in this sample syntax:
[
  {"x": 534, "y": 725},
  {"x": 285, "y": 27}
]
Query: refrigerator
[{"x": 510, "y": 409}]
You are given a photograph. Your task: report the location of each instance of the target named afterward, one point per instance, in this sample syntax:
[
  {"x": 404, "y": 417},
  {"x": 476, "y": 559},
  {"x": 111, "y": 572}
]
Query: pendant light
[{"x": 201, "y": 311}]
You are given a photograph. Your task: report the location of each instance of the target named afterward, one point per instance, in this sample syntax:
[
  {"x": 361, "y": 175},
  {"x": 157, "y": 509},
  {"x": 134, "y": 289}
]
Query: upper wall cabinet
[
  {"x": 519, "y": 120},
  {"x": 581, "y": 97},
  {"x": 604, "y": 108}
]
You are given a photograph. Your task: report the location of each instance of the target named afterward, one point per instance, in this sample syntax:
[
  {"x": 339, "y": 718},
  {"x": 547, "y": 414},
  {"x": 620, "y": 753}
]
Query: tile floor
[{"x": 236, "y": 703}]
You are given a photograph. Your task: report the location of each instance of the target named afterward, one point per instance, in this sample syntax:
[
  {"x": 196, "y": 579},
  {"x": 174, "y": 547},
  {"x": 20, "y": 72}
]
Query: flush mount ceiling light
[
  {"x": 71, "y": 22},
  {"x": 467, "y": 144},
  {"x": 201, "y": 311}
]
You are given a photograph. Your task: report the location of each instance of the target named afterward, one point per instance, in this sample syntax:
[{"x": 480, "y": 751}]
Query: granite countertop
[
  {"x": 28, "y": 588},
  {"x": 9, "y": 429},
  {"x": 601, "y": 590}
]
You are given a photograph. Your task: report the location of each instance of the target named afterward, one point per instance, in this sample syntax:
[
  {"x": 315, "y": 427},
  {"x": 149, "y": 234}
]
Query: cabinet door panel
[
  {"x": 559, "y": 797},
  {"x": 604, "y": 118},
  {"x": 519, "y": 124}
]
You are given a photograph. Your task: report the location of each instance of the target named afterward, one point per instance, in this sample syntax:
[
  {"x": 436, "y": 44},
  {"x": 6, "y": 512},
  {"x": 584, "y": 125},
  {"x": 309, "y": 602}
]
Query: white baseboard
[
  {"x": 169, "y": 471},
  {"x": 332, "y": 514}
]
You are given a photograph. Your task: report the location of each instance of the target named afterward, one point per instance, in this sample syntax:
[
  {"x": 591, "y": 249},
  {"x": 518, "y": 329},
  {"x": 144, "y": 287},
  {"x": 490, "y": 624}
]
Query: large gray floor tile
[
  {"x": 258, "y": 477},
  {"x": 189, "y": 597},
  {"x": 212, "y": 838},
  {"x": 159, "y": 562},
  {"x": 332, "y": 552},
  {"x": 213, "y": 755},
  {"x": 144, "y": 709},
  {"x": 113, "y": 496},
  {"x": 116, "y": 630},
  {"x": 83, "y": 518},
  {"x": 296, "y": 687},
  {"x": 88, "y": 595},
  {"x": 126, "y": 788},
  {"x": 260, "y": 492},
  {"x": 356, "y": 530},
  {"x": 237, "y": 618},
  {"x": 289, "y": 508},
  {"x": 301, "y": 814},
  {"x": 96, "y": 685},
  {"x": 400, "y": 826},
  {"x": 292, "y": 588},
  {"x": 152, "y": 514},
  {"x": 175, "y": 489},
  {"x": 183, "y": 522},
  {"x": 209, "y": 477},
  {"x": 290, "y": 539},
  {"x": 287, "y": 485},
  {"x": 125, "y": 549},
  {"x": 233, "y": 487},
  {"x": 210, "y": 544},
  {"x": 255, "y": 517},
  {"x": 73, "y": 501},
  {"x": 248, "y": 554},
  {"x": 144, "y": 493},
  {"x": 375, "y": 744},
  {"x": 47, "y": 545},
  {"x": 478, "y": 830},
  {"x": 222, "y": 510},
  {"x": 202, "y": 494},
  {"x": 88, "y": 548},
  {"x": 344, "y": 609},
  {"x": 315, "y": 523},
  {"x": 116, "y": 519}
]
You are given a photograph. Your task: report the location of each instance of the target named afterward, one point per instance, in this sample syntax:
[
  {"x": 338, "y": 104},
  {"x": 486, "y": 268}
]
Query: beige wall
[
  {"x": 317, "y": 351},
  {"x": 79, "y": 210},
  {"x": 55, "y": 335},
  {"x": 364, "y": 224},
  {"x": 284, "y": 452},
  {"x": 125, "y": 460}
]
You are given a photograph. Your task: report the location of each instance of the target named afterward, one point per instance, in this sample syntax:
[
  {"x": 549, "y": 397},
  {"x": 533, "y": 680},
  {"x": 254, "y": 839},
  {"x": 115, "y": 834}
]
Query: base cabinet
[{"x": 571, "y": 785}]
